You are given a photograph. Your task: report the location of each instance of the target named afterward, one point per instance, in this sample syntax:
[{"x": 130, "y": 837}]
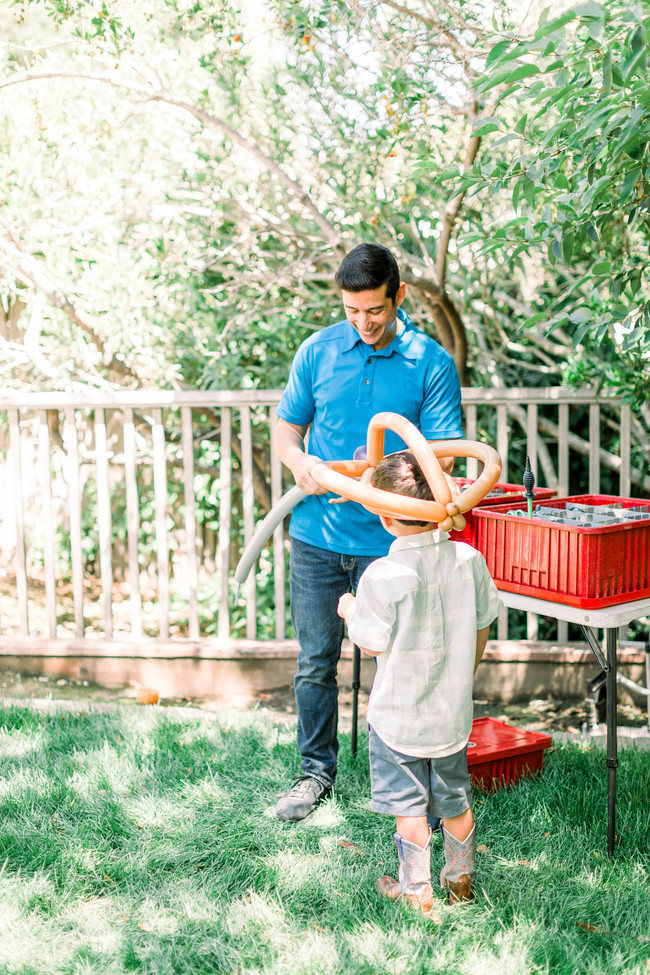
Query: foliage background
[{"x": 179, "y": 181}]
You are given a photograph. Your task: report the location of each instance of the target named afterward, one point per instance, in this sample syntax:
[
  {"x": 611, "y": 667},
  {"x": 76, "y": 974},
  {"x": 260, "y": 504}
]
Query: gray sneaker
[{"x": 302, "y": 798}]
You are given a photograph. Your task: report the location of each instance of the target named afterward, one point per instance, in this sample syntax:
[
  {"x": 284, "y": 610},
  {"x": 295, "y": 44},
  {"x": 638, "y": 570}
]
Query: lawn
[{"x": 144, "y": 841}]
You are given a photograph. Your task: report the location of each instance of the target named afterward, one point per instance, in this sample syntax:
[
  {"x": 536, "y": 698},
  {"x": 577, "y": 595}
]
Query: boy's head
[{"x": 401, "y": 474}]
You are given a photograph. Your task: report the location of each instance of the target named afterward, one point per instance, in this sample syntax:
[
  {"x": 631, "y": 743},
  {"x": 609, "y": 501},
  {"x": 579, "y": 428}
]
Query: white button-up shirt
[{"x": 418, "y": 609}]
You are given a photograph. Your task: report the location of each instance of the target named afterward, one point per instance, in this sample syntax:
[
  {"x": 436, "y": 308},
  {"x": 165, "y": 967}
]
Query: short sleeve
[
  {"x": 297, "y": 404},
  {"x": 440, "y": 413},
  {"x": 371, "y": 625},
  {"x": 488, "y": 601}
]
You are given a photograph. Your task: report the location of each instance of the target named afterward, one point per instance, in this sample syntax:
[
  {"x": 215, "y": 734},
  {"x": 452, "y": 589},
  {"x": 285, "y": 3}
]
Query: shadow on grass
[{"x": 138, "y": 841}]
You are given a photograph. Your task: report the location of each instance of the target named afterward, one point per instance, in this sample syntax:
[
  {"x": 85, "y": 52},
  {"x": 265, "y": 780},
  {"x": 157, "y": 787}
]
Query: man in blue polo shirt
[{"x": 374, "y": 360}]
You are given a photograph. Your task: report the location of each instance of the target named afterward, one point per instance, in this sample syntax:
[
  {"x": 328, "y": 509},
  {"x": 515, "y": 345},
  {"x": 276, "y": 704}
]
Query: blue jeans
[{"x": 318, "y": 579}]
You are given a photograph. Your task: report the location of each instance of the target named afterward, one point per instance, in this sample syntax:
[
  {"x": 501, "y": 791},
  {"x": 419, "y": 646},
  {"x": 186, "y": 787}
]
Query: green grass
[{"x": 144, "y": 841}]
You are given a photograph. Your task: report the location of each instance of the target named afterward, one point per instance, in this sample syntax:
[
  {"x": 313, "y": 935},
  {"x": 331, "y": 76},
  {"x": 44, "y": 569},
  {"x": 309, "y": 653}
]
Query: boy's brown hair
[{"x": 401, "y": 474}]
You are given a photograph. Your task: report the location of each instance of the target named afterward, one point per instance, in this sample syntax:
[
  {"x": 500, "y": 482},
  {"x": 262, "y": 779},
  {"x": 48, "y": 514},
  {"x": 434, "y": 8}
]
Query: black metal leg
[
  {"x": 612, "y": 741},
  {"x": 356, "y": 684}
]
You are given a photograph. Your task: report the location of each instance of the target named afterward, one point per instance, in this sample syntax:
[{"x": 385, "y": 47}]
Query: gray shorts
[{"x": 403, "y": 785}]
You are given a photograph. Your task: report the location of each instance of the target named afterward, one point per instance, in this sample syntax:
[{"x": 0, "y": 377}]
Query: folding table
[{"x": 609, "y": 618}]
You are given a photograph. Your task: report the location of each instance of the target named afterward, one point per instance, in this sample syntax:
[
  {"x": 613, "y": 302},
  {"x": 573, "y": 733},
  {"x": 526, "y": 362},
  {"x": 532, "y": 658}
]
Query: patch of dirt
[
  {"x": 547, "y": 715},
  {"x": 540, "y": 715}
]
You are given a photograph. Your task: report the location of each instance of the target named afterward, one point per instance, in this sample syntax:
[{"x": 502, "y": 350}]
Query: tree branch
[
  {"x": 211, "y": 121},
  {"x": 31, "y": 273},
  {"x": 451, "y": 212},
  {"x": 452, "y": 42}
]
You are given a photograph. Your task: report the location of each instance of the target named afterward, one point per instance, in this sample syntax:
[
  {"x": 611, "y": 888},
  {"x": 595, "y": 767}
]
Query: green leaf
[
  {"x": 558, "y": 321},
  {"x": 633, "y": 338},
  {"x": 590, "y": 10},
  {"x": 529, "y": 190},
  {"x": 521, "y": 124},
  {"x": 607, "y": 70},
  {"x": 635, "y": 63},
  {"x": 539, "y": 316},
  {"x": 496, "y": 53},
  {"x": 582, "y": 314},
  {"x": 552, "y": 25},
  {"x": 580, "y": 333},
  {"x": 523, "y": 71},
  {"x": 602, "y": 267},
  {"x": 486, "y": 129},
  {"x": 629, "y": 183},
  {"x": 508, "y": 76}
]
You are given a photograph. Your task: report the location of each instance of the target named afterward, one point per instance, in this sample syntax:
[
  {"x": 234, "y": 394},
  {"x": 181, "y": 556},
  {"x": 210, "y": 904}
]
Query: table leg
[
  {"x": 612, "y": 739},
  {"x": 356, "y": 684}
]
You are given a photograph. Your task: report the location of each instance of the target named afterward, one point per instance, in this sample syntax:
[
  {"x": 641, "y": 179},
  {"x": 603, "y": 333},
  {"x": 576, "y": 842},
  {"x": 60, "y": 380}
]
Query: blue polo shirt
[{"x": 337, "y": 384}]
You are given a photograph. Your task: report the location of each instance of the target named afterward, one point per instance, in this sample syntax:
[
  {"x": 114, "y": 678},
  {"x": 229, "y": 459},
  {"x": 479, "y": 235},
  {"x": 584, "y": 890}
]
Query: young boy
[{"x": 424, "y": 610}]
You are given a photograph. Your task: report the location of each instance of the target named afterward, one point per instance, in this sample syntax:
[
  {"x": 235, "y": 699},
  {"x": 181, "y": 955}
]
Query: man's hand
[
  {"x": 345, "y": 607},
  {"x": 289, "y": 443},
  {"x": 301, "y": 470}
]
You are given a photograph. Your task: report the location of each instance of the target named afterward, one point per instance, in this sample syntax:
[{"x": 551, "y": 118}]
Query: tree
[
  {"x": 183, "y": 179},
  {"x": 569, "y": 134}
]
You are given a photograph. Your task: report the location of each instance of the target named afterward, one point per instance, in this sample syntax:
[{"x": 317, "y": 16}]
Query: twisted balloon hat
[{"x": 351, "y": 480}]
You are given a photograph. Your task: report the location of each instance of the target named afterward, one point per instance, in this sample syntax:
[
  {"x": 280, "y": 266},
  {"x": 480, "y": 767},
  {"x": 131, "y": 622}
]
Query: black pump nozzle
[{"x": 529, "y": 484}]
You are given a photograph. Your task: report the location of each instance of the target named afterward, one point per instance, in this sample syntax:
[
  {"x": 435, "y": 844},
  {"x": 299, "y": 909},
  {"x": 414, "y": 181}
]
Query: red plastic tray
[
  {"x": 508, "y": 494},
  {"x": 571, "y": 564},
  {"x": 499, "y": 755}
]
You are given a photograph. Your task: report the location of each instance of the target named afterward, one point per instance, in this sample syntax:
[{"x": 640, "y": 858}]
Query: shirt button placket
[{"x": 366, "y": 380}]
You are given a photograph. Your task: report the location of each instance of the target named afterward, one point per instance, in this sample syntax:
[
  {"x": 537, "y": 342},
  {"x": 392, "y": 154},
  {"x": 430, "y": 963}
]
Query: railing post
[
  {"x": 19, "y": 522},
  {"x": 104, "y": 519},
  {"x": 71, "y": 441},
  {"x": 225, "y": 507},
  {"x": 160, "y": 501},
  {"x": 132, "y": 521},
  {"x": 45, "y": 478},
  {"x": 190, "y": 522}
]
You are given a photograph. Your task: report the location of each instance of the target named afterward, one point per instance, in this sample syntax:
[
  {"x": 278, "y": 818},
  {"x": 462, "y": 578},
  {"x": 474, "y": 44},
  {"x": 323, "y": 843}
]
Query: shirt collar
[
  {"x": 402, "y": 343},
  {"x": 419, "y": 540}
]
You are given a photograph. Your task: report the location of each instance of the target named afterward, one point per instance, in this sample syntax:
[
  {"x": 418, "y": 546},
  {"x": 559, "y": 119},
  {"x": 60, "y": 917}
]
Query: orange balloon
[{"x": 351, "y": 478}]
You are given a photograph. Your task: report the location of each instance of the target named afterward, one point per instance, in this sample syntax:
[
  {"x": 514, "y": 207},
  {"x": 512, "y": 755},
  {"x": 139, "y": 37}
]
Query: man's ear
[
  {"x": 386, "y": 522},
  {"x": 401, "y": 294}
]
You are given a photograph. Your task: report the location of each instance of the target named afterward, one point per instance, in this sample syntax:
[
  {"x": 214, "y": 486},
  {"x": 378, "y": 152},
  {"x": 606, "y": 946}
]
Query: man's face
[{"x": 373, "y": 315}]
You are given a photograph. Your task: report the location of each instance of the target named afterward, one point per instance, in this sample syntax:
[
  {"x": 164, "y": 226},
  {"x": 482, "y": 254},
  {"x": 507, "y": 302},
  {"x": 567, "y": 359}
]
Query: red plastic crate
[
  {"x": 508, "y": 494},
  {"x": 572, "y": 564},
  {"x": 498, "y": 754}
]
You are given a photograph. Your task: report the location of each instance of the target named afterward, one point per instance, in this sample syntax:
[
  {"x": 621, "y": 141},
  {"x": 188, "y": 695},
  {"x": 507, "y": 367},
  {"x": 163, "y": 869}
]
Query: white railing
[{"x": 123, "y": 514}]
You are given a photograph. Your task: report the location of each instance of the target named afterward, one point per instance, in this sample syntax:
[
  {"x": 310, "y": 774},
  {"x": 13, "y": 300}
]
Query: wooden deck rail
[{"x": 100, "y": 504}]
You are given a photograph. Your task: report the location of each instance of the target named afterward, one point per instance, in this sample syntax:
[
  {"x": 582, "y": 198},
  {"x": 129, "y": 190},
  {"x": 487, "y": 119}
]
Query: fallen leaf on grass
[
  {"x": 106, "y": 877},
  {"x": 591, "y": 928},
  {"x": 144, "y": 927},
  {"x": 523, "y": 863},
  {"x": 350, "y": 846},
  {"x": 482, "y": 848}
]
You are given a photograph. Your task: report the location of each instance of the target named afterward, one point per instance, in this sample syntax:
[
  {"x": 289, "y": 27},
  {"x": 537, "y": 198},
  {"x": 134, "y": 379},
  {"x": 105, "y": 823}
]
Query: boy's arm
[
  {"x": 481, "y": 640},
  {"x": 345, "y": 610}
]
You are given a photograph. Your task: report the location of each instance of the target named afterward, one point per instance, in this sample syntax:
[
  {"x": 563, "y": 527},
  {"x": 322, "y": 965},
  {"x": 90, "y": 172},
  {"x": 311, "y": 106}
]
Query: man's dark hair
[
  {"x": 366, "y": 268},
  {"x": 401, "y": 474}
]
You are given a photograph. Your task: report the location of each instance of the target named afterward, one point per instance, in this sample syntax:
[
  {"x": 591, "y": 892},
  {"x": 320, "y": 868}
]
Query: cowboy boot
[
  {"x": 459, "y": 872},
  {"x": 414, "y": 883}
]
